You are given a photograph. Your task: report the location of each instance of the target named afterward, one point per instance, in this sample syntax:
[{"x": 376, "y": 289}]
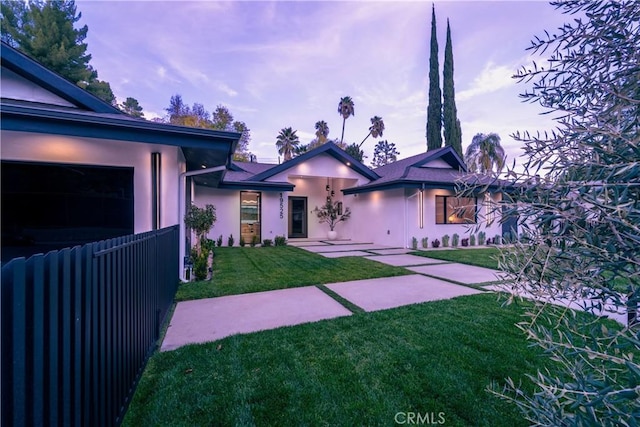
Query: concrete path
[
  {"x": 575, "y": 302},
  {"x": 391, "y": 292},
  {"x": 404, "y": 260},
  {"x": 461, "y": 273},
  {"x": 343, "y": 248},
  {"x": 392, "y": 251},
  {"x": 343, "y": 254},
  {"x": 211, "y": 319}
]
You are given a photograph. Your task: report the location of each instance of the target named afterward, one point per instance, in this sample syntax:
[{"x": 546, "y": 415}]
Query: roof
[
  {"x": 254, "y": 176},
  {"x": 32, "y": 70},
  {"x": 414, "y": 172},
  {"x": 240, "y": 175},
  {"x": 327, "y": 148},
  {"x": 94, "y": 118}
]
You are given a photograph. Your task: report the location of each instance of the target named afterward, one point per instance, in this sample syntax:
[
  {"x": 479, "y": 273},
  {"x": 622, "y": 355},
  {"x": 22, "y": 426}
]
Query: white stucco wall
[
  {"x": 378, "y": 217},
  {"x": 437, "y": 163},
  {"x": 35, "y": 147},
  {"x": 17, "y": 87},
  {"x": 322, "y": 165},
  {"x": 437, "y": 231},
  {"x": 227, "y": 203}
]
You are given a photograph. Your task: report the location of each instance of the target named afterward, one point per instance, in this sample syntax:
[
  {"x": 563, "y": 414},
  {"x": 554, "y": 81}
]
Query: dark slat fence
[{"x": 78, "y": 326}]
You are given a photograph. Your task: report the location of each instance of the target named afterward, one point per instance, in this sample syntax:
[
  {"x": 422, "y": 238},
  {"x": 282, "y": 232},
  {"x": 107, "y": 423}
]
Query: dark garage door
[{"x": 48, "y": 206}]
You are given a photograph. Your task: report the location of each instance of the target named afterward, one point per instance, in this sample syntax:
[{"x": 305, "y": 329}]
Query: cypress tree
[
  {"x": 434, "y": 109},
  {"x": 452, "y": 132}
]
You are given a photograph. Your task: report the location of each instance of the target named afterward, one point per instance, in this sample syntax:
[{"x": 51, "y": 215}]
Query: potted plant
[{"x": 330, "y": 213}]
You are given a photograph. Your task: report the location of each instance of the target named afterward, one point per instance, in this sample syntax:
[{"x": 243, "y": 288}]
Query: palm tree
[
  {"x": 346, "y": 110},
  {"x": 287, "y": 142},
  {"x": 485, "y": 153},
  {"x": 376, "y": 129},
  {"x": 322, "y": 131}
]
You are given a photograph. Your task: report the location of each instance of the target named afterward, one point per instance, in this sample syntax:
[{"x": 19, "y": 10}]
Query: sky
[{"x": 284, "y": 64}]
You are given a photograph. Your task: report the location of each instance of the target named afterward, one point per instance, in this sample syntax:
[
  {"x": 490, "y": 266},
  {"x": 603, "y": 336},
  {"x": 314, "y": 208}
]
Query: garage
[{"x": 47, "y": 206}]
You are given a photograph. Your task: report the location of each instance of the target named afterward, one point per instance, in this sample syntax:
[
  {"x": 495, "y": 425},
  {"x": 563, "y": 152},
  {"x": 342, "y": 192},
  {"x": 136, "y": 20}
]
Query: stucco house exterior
[
  {"x": 76, "y": 169},
  {"x": 390, "y": 205}
]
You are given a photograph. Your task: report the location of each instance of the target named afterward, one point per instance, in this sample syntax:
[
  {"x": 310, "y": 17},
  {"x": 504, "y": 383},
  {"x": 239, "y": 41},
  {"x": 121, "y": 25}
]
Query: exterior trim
[
  {"x": 257, "y": 186},
  {"x": 35, "y": 72},
  {"x": 328, "y": 148}
]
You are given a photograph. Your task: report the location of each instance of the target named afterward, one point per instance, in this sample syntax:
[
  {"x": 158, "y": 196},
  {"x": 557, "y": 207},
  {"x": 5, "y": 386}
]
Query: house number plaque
[{"x": 281, "y": 207}]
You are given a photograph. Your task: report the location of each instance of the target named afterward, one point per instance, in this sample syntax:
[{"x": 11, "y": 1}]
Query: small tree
[
  {"x": 329, "y": 214},
  {"x": 200, "y": 221}
]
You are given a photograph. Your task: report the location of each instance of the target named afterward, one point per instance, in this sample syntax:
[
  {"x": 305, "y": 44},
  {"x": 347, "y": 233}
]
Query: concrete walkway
[{"x": 211, "y": 319}]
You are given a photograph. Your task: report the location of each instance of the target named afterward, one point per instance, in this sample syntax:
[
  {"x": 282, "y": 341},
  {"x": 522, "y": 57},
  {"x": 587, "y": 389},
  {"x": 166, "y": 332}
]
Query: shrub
[
  {"x": 254, "y": 240},
  {"x": 414, "y": 243},
  {"x": 280, "y": 241},
  {"x": 242, "y": 242},
  {"x": 497, "y": 239},
  {"x": 482, "y": 236},
  {"x": 219, "y": 241},
  {"x": 208, "y": 245},
  {"x": 445, "y": 241},
  {"x": 267, "y": 242},
  {"x": 425, "y": 242},
  {"x": 472, "y": 240},
  {"x": 455, "y": 240},
  {"x": 230, "y": 241},
  {"x": 435, "y": 243},
  {"x": 465, "y": 242},
  {"x": 199, "y": 264}
]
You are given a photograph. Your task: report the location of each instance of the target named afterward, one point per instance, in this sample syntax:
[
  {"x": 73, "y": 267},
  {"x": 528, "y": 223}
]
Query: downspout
[{"x": 182, "y": 201}]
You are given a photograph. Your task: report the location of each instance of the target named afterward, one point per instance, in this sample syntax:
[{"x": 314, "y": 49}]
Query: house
[
  {"x": 75, "y": 169},
  {"x": 413, "y": 197}
]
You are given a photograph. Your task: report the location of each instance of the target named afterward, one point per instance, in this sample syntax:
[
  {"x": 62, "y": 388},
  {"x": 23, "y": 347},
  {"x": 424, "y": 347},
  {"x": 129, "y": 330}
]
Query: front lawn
[
  {"x": 433, "y": 358},
  {"x": 485, "y": 257},
  {"x": 244, "y": 270}
]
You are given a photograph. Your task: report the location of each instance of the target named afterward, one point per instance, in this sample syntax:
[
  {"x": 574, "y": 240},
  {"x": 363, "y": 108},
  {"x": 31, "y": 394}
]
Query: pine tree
[
  {"x": 452, "y": 133},
  {"x": 384, "y": 154},
  {"x": 434, "y": 109},
  {"x": 132, "y": 107},
  {"x": 45, "y": 31}
]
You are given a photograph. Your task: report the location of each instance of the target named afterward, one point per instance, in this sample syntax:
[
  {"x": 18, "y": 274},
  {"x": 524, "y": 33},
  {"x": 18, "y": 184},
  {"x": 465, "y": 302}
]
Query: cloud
[
  {"x": 492, "y": 79},
  {"x": 223, "y": 87}
]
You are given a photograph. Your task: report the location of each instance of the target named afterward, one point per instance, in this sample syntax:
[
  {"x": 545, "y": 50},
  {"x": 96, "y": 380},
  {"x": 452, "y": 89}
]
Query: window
[
  {"x": 455, "y": 210},
  {"x": 249, "y": 215}
]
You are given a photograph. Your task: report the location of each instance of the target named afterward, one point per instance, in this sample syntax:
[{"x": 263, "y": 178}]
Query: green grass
[
  {"x": 244, "y": 270},
  {"x": 486, "y": 257},
  {"x": 358, "y": 370}
]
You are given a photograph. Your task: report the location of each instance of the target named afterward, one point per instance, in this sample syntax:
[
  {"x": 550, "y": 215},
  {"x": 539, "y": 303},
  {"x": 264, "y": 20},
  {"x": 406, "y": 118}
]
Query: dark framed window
[
  {"x": 456, "y": 210},
  {"x": 250, "y": 215}
]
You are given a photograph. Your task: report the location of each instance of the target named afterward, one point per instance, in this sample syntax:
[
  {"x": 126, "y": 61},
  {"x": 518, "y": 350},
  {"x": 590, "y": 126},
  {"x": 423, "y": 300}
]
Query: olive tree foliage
[{"x": 578, "y": 202}]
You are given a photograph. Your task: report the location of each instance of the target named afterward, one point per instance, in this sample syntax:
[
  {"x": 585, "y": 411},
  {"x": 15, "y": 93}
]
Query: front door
[{"x": 297, "y": 217}]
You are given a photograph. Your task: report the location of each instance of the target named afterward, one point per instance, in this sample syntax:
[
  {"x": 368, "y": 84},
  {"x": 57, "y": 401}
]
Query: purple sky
[{"x": 280, "y": 64}]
